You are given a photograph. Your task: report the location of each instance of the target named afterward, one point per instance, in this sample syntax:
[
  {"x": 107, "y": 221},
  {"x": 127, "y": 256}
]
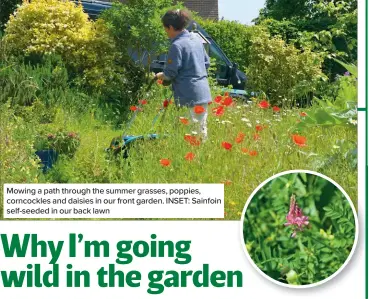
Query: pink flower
[{"x": 296, "y": 218}]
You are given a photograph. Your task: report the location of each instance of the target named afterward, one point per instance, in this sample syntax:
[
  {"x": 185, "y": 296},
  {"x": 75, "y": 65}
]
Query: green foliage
[
  {"x": 340, "y": 110},
  {"x": 282, "y": 71},
  {"x": 315, "y": 253},
  {"x": 18, "y": 163},
  {"x": 326, "y": 27},
  {"x": 234, "y": 38},
  {"x": 36, "y": 92},
  {"x": 7, "y": 7},
  {"x": 22, "y": 84},
  {"x": 45, "y": 27},
  {"x": 136, "y": 26}
]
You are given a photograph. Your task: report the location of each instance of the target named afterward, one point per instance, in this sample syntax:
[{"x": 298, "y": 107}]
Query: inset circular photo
[{"x": 299, "y": 228}]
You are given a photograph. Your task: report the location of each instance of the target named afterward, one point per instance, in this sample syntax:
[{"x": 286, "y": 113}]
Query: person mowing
[{"x": 186, "y": 67}]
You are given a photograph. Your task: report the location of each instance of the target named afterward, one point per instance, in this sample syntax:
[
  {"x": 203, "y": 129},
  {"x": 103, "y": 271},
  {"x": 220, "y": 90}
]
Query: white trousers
[{"x": 199, "y": 121}]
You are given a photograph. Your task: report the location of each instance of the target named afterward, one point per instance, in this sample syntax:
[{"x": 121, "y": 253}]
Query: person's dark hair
[{"x": 177, "y": 18}]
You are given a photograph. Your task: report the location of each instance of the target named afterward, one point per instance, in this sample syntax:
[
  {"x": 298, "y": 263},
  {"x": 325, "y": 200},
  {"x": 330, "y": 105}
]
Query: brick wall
[{"x": 205, "y": 8}]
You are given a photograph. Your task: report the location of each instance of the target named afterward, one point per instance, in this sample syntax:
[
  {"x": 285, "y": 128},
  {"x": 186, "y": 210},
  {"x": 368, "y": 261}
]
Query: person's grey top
[{"x": 187, "y": 66}]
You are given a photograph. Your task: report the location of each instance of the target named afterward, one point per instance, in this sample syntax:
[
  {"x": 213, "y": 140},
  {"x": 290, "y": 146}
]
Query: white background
[{"x": 215, "y": 243}]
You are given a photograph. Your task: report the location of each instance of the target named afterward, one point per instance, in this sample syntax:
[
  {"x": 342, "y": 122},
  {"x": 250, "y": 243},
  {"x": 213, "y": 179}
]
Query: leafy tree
[
  {"x": 328, "y": 27},
  {"x": 233, "y": 37},
  {"x": 137, "y": 27}
]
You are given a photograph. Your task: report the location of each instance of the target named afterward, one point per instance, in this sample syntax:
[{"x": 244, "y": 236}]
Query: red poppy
[
  {"x": 192, "y": 140},
  {"x": 240, "y": 137},
  {"x": 276, "y": 109},
  {"x": 160, "y": 82},
  {"x": 210, "y": 103},
  {"x": 299, "y": 140},
  {"x": 303, "y": 114},
  {"x": 142, "y": 102},
  {"x": 165, "y": 162},
  {"x": 190, "y": 156},
  {"x": 218, "y": 99},
  {"x": 166, "y": 103},
  {"x": 133, "y": 108},
  {"x": 259, "y": 128},
  {"x": 226, "y": 94},
  {"x": 199, "y": 109},
  {"x": 256, "y": 136},
  {"x": 218, "y": 111},
  {"x": 264, "y": 104},
  {"x": 245, "y": 150},
  {"x": 253, "y": 153},
  {"x": 184, "y": 120},
  {"x": 226, "y": 145},
  {"x": 227, "y": 102},
  {"x": 227, "y": 183}
]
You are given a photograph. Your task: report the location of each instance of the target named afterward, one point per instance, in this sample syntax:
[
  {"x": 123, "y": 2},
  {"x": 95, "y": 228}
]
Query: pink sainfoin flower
[{"x": 296, "y": 218}]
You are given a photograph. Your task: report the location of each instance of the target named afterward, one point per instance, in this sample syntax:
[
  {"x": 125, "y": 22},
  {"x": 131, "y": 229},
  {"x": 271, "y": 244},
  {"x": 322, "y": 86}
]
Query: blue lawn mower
[{"x": 122, "y": 144}]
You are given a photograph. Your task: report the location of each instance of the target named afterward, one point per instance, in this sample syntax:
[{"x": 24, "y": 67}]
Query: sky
[{"x": 243, "y": 11}]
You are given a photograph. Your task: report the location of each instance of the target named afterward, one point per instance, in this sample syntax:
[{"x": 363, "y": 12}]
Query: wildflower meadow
[{"x": 299, "y": 229}]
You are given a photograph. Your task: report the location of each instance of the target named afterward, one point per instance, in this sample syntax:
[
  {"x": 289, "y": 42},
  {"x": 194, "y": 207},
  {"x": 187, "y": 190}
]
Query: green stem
[
  {"x": 328, "y": 246},
  {"x": 275, "y": 259}
]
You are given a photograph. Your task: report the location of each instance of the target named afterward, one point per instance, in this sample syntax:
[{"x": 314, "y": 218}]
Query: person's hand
[{"x": 160, "y": 76}]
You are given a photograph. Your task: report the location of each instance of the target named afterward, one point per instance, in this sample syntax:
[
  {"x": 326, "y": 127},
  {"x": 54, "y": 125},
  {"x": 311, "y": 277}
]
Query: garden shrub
[
  {"x": 45, "y": 27},
  {"x": 234, "y": 38},
  {"x": 280, "y": 70},
  {"x": 137, "y": 27}
]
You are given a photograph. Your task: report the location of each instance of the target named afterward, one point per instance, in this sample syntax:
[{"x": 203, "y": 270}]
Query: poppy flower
[
  {"x": 227, "y": 102},
  {"x": 199, "y": 109},
  {"x": 253, "y": 153},
  {"x": 184, "y": 120},
  {"x": 192, "y": 140},
  {"x": 190, "y": 156},
  {"x": 218, "y": 111},
  {"x": 276, "y": 109},
  {"x": 165, "y": 162},
  {"x": 226, "y": 94},
  {"x": 218, "y": 99},
  {"x": 256, "y": 136},
  {"x": 259, "y": 128},
  {"x": 226, "y": 145},
  {"x": 166, "y": 103},
  {"x": 227, "y": 182},
  {"x": 210, "y": 103},
  {"x": 299, "y": 140},
  {"x": 160, "y": 82},
  {"x": 240, "y": 137},
  {"x": 303, "y": 114},
  {"x": 264, "y": 104},
  {"x": 142, "y": 102},
  {"x": 133, "y": 108},
  {"x": 244, "y": 150}
]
